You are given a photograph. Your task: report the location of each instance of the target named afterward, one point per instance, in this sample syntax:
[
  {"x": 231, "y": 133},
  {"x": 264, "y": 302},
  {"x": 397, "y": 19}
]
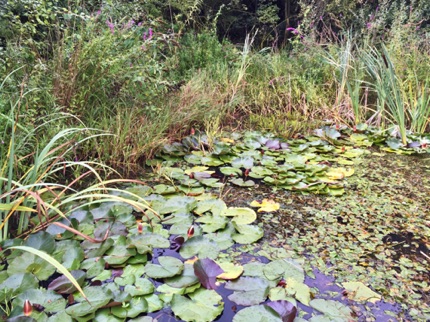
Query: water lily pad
[
  {"x": 51, "y": 301},
  {"x": 177, "y": 204},
  {"x": 144, "y": 243},
  {"x": 29, "y": 263},
  {"x": 120, "y": 252},
  {"x": 257, "y": 313},
  {"x": 243, "y": 162},
  {"x": 241, "y": 216},
  {"x": 248, "y": 290},
  {"x": 231, "y": 271},
  {"x": 215, "y": 206},
  {"x": 334, "y": 310},
  {"x": 168, "y": 267},
  {"x": 266, "y": 205},
  {"x": 98, "y": 296},
  {"x": 211, "y": 161},
  {"x": 230, "y": 171},
  {"x": 199, "y": 246},
  {"x": 242, "y": 183},
  {"x": 201, "y": 306},
  {"x": 187, "y": 278},
  {"x": 284, "y": 268},
  {"x": 247, "y": 234},
  {"x": 133, "y": 308},
  {"x": 41, "y": 241},
  {"x": 357, "y": 291},
  {"x": 300, "y": 290},
  {"x": 212, "y": 223},
  {"x": 260, "y": 172},
  {"x": 142, "y": 286}
]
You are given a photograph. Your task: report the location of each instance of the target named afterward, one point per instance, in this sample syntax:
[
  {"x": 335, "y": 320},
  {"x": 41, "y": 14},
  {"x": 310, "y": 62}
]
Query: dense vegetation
[{"x": 89, "y": 84}]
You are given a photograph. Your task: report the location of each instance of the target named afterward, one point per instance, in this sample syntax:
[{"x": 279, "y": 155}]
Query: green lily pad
[
  {"x": 212, "y": 223},
  {"x": 201, "y": 306},
  {"x": 247, "y": 234},
  {"x": 241, "y": 216},
  {"x": 51, "y": 301},
  {"x": 99, "y": 297},
  {"x": 334, "y": 310},
  {"x": 230, "y": 171},
  {"x": 199, "y": 246},
  {"x": 248, "y": 290},
  {"x": 136, "y": 306},
  {"x": 142, "y": 286},
  {"x": 357, "y": 291},
  {"x": 211, "y": 161},
  {"x": 29, "y": 263},
  {"x": 257, "y": 313},
  {"x": 215, "y": 206},
  {"x": 41, "y": 241},
  {"x": 168, "y": 267},
  {"x": 246, "y": 162},
  {"x": 177, "y": 204},
  {"x": 242, "y": 183},
  {"x": 284, "y": 268},
  {"x": 144, "y": 243},
  {"x": 187, "y": 278},
  {"x": 120, "y": 252}
]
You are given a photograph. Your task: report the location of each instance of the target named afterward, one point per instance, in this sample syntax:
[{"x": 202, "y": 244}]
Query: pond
[{"x": 243, "y": 227}]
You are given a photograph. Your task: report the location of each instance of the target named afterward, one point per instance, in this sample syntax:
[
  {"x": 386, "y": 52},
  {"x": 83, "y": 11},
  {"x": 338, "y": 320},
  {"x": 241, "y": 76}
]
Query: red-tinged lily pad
[
  {"x": 207, "y": 271},
  {"x": 285, "y": 309}
]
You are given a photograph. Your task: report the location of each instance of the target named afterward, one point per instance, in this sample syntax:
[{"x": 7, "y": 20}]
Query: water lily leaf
[
  {"x": 177, "y": 204},
  {"x": 257, "y": 313},
  {"x": 281, "y": 293},
  {"x": 357, "y": 291},
  {"x": 187, "y": 278},
  {"x": 260, "y": 172},
  {"x": 136, "y": 306},
  {"x": 266, "y": 205},
  {"x": 207, "y": 271},
  {"x": 247, "y": 234},
  {"x": 295, "y": 159},
  {"x": 212, "y": 223},
  {"x": 336, "y": 311},
  {"x": 353, "y": 153},
  {"x": 63, "y": 285},
  {"x": 273, "y": 144},
  {"x": 300, "y": 290},
  {"x": 285, "y": 309},
  {"x": 230, "y": 171},
  {"x": 215, "y": 206},
  {"x": 29, "y": 263},
  {"x": 286, "y": 268},
  {"x": 194, "y": 158},
  {"x": 241, "y": 183},
  {"x": 211, "y": 182},
  {"x": 99, "y": 297},
  {"x": 199, "y": 246},
  {"x": 142, "y": 286},
  {"x": 394, "y": 143},
  {"x": 201, "y": 306},
  {"x": 339, "y": 173},
  {"x": 241, "y": 216},
  {"x": 211, "y": 161},
  {"x": 163, "y": 189},
  {"x": 336, "y": 191},
  {"x": 145, "y": 243},
  {"x": 120, "y": 252},
  {"x": 222, "y": 238},
  {"x": 41, "y": 241},
  {"x": 195, "y": 169},
  {"x": 93, "y": 250},
  {"x": 16, "y": 284},
  {"x": 231, "y": 271},
  {"x": 168, "y": 267},
  {"x": 154, "y": 302},
  {"x": 246, "y": 162},
  {"x": 69, "y": 253},
  {"x": 105, "y": 315},
  {"x": 248, "y": 290},
  {"x": 51, "y": 301}
]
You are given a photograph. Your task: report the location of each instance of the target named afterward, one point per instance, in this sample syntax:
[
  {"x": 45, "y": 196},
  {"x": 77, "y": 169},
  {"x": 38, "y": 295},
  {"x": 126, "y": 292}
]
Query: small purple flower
[
  {"x": 139, "y": 24},
  {"x": 150, "y": 33},
  {"x": 144, "y": 36},
  {"x": 368, "y": 25},
  {"x": 111, "y": 26},
  {"x": 98, "y": 13},
  {"x": 293, "y": 30}
]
